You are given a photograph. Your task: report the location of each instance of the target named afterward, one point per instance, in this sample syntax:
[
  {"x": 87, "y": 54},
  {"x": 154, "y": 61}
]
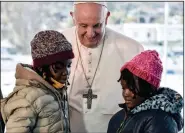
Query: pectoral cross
[{"x": 89, "y": 95}]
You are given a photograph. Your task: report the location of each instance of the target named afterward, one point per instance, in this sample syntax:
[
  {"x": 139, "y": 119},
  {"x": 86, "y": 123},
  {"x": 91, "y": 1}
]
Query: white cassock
[{"x": 117, "y": 50}]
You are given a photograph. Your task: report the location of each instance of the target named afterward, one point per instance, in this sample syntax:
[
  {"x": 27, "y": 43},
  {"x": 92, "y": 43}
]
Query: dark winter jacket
[{"x": 158, "y": 114}]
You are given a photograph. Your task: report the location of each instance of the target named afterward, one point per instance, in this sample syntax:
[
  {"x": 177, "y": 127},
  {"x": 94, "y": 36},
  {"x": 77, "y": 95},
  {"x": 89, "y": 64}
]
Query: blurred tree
[{"x": 22, "y": 20}]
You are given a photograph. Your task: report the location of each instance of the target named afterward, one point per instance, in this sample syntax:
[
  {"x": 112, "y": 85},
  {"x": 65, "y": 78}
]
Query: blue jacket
[{"x": 158, "y": 114}]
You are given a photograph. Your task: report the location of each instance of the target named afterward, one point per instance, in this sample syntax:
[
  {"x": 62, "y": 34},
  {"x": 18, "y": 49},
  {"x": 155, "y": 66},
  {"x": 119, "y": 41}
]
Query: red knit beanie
[
  {"x": 48, "y": 47},
  {"x": 146, "y": 65}
]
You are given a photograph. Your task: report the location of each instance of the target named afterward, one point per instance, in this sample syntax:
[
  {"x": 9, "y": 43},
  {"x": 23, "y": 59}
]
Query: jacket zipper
[{"x": 124, "y": 123}]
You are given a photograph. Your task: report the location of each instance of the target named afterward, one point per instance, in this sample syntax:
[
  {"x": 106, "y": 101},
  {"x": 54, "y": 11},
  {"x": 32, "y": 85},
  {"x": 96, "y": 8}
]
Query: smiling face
[
  {"x": 131, "y": 99},
  {"x": 135, "y": 89},
  {"x": 90, "y": 20}
]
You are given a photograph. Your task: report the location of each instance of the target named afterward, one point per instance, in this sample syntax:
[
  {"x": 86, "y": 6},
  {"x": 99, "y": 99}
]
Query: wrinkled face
[
  {"x": 90, "y": 20},
  {"x": 60, "y": 71},
  {"x": 130, "y": 98}
]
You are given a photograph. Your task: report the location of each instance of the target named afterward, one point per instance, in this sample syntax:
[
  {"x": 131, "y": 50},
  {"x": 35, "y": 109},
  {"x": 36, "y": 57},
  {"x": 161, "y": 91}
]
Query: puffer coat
[{"x": 34, "y": 106}]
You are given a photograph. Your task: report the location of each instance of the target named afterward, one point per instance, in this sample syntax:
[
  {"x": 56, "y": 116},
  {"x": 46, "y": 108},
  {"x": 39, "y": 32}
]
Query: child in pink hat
[{"x": 148, "y": 108}]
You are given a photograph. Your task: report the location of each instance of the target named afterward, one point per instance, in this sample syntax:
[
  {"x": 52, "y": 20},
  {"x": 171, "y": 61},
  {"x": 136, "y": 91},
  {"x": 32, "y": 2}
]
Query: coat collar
[{"x": 29, "y": 75}]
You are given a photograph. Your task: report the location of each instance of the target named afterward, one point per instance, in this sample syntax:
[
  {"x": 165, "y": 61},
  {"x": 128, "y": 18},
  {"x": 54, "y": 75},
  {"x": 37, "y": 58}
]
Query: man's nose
[{"x": 90, "y": 32}]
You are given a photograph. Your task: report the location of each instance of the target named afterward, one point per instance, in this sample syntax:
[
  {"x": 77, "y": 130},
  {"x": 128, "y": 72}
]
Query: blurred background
[{"x": 157, "y": 25}]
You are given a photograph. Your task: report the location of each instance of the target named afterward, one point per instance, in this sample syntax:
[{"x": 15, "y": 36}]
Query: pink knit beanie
[{"x": 146, "y": 65}]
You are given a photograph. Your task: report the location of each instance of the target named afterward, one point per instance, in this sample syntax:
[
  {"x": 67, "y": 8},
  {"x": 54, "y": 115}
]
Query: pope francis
[{"x": 99, "y": 53}]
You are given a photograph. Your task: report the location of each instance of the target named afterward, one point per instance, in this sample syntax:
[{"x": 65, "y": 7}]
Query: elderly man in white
[{"x": 99, "y": 53}]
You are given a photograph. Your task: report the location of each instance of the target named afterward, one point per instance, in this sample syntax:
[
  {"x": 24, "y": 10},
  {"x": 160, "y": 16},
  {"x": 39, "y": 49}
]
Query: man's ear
[
  {"x": 72, "y": 15},
  {"x": 108, "y": 14}
]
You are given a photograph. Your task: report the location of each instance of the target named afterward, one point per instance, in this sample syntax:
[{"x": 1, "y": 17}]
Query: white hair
[{"x": 103, "y": 4}]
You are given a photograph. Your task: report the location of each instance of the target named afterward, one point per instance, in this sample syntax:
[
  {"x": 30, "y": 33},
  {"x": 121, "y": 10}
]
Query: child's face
[
  {"x": 60, "y": 71},
  {"x": 131, "y": 99}
]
